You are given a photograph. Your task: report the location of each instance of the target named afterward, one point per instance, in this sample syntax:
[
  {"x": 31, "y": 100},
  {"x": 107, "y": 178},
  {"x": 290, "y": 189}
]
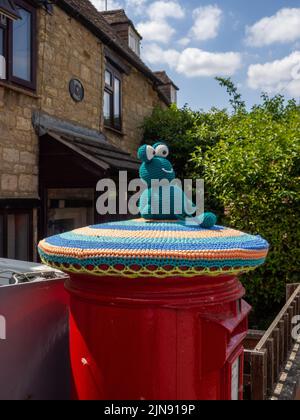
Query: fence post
[{"x": 259, "y": 375}]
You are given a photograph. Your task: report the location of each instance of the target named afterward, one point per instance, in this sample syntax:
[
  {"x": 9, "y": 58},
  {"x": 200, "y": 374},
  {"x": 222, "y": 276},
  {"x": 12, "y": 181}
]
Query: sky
[{"x": 256, "y": 43}]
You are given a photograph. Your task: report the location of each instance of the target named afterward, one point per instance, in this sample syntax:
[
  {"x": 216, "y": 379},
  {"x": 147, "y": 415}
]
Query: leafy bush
[
  {"x": 254, "y": 171},
  {"x": 185, "y": 130},
  {"x": 251, "y": 165},
  {"x": 174, "y": 126}
]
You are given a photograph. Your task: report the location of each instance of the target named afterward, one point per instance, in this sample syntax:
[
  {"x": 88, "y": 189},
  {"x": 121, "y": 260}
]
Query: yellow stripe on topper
[{"x": 170, "y": 234}]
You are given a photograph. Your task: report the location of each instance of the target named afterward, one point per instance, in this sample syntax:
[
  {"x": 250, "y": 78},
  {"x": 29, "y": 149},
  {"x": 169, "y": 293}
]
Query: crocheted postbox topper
[
  {"x": 157, "y": 167},
  {"x": 153, "y": 247}
]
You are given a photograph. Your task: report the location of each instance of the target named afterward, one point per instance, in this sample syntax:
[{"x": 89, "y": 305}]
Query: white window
[
  {"x": 134, "y": 41},
  {"x": 2, "y": 328},
  {"x": 173, "y": 95}
]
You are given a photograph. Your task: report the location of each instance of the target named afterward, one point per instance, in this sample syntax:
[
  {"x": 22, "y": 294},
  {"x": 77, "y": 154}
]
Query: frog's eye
[
  {"x": 150, "y": 153},
  {"x": 162, "y": 151}
]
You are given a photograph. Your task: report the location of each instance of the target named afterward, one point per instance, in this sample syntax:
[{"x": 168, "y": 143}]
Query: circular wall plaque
[{"x": 76, "y": 90}]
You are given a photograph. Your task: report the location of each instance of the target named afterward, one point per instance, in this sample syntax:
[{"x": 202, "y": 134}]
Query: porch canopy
[{"x": 72, "y": 156}]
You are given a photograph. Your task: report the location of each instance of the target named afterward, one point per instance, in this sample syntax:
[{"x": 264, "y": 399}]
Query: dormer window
[
  {"x": 167, "y": 87},
  {"x": 125, "y": 28},
  {"x": 134, "y": 41},
  {"x": 173, "y": 95}
]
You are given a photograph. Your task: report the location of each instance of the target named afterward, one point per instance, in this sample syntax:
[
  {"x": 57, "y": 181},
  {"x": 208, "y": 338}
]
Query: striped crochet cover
[{"x": 141, "y": 248}]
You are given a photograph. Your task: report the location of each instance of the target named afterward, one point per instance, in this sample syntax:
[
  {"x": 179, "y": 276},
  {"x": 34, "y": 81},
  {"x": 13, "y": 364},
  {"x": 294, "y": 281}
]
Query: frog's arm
[{"x": 205, "y": 220}]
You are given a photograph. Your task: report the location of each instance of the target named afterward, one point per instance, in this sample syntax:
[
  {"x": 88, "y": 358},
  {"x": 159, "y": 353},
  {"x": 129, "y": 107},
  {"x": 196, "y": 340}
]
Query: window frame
[
  {"x": 173, "y": 94},
  {"x": 110, "y": 89},
  {"x": 14, "y": 211},
  {"x": 8, "y": 48},
  {"x": 4, "y": 28},
  {"x": 137, "y": 48}
]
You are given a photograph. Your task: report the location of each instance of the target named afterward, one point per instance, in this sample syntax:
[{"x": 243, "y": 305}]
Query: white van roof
[{"x": 9, "y": 267}]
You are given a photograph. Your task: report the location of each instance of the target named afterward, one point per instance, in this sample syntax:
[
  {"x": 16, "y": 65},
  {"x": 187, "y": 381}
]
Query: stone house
[{"x": 73, "y": 94}]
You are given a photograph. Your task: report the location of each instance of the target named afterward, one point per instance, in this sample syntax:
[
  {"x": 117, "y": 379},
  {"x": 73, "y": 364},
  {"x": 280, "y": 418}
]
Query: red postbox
[{"x": 156, "y": 309}]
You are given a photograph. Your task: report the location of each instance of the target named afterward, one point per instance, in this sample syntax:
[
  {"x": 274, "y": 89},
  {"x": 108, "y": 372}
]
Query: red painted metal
[
  {"x": 156, "y": 339},
  {"x": 34, "y": 361}
]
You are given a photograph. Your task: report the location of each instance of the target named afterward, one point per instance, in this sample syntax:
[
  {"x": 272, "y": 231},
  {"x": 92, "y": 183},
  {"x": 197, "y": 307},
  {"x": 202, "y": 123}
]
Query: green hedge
[
  {"x": 254, "y": 171},
  {"x": 251, "y": 166},
  {"x": 174, "y": 126}
]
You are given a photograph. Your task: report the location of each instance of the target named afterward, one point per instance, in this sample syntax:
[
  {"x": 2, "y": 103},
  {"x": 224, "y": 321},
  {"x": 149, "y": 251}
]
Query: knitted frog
[{"x": 156, "y": 166}]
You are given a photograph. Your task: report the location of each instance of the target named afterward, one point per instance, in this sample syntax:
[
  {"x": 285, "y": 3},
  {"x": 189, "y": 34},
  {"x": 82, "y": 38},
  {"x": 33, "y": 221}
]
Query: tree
[
  {"x": 254, "y": 171},
  {"x": 250, "y": 161},
  {"x": 235, "y": 97}
]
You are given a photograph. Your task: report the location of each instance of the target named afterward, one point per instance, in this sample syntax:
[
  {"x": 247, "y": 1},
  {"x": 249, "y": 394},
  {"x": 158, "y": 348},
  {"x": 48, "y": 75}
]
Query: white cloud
[
  {"x": 136, "y": 3},
  {"x": 193, "y": 62},
  {"x": 157, "y": 28},
  {"x": 282, "y": 27},
  {"x": 136, "y": 7},
  {"x": 158, "y": 31},
  {"x": 279, "y": 76},
  {"x": 207, "y": 22},
  {"x": 112, "y": 4},
  {"x": 183, "y": 42},
  {"x": 160, "y": 10},
  {"x": 198, "y": 63},
  {"x": 154, "y": 54}
]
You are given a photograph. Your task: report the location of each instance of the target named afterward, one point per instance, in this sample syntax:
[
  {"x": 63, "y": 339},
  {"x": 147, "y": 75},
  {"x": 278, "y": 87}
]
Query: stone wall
[
  {"x": 18, "y": 145},
  {"x": 65, "y": 50},
  {"x": 86, "y": 61},
  {"x": 68, "y": 50}
]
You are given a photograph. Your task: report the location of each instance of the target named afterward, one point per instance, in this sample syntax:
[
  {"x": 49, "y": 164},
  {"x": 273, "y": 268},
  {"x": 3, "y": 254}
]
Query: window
[
  {"x": 134, "y": 41},
  {"x": 21, "y": 46},
  {"x": 3, "y": 26},
  {"x": 173, "y": 95},
  {"x": 69, "y": 209},
  {"x": 16, "y": 234},
  {"x": 112, "y": 107},
  {"x": 117, "y": 103},
  {"x": 17, "y": 43},
  {"x": 1, "y": 41},
  {"x": 107, "y": 108}
]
